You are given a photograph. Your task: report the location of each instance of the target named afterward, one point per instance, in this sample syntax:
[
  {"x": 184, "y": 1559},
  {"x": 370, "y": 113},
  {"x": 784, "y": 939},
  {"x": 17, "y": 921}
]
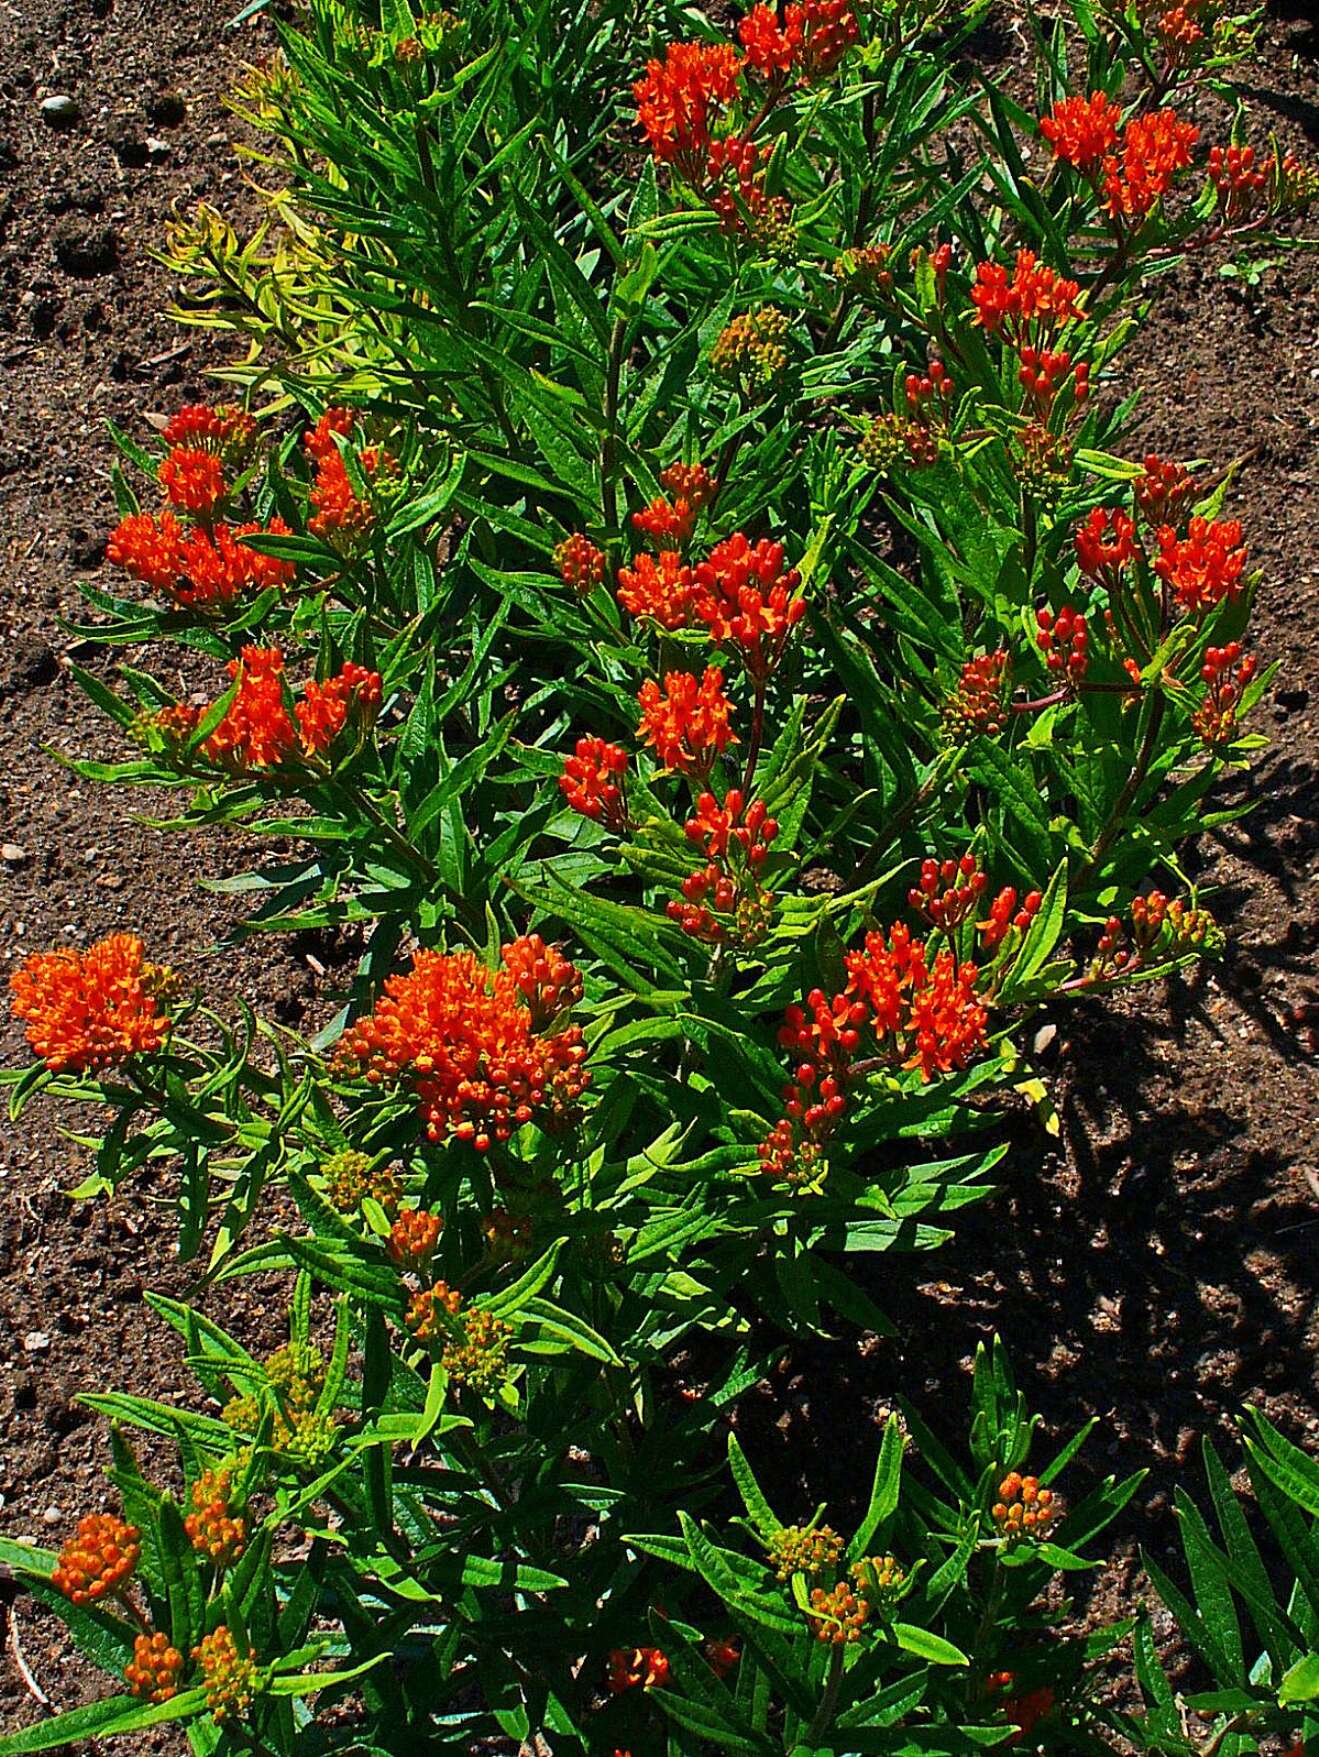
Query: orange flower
[
  {"x": 462, "y": 1037},
  {"x": 228, "y": 1673},
  {"x": 153, "y": 1673},
  {"x": 667, "y": 522},
  {"x": 976, "y": 706},
  {"x": 89, "y": 1010},
  {"x": 257, "y": 730},
  {"x": 547, "y": 981},
  {"x": 1106, "y": 542},
  {"x": 1082, "y": 130},
  {"x": 319, "y": 441},
  {"x": 637, "y": 1668},
  {"x": 1032, "y": 295},
  {"x": 743, "y": 594},
  {"x": 681, "y": 96},
  {"x": 1163, "y": 487},
  {"x": 214, "y": 1529},
  {"x": 1023, "y": 1508},
  {"x": 150, "y": 551},
  {"x": 591, "y": 782},
  {"x": 98, "y": 1560},
  {"x": 427, "y": 1309},
  {"x": 580, "y": 563},
  {"x": 1152, "y": 150},
  {"x": 772, "y": 48},
  {"x": 414, "y": 1236},
  {"x": 687, "y": 724},
  {"x": 1205, "y": 567},
  {"x": 192, "y": 479},
  {"x": 660, "y": 589},
  {"x": 224, "y": 431},
  {"x": 1226, "y": 671},
  {"x": 323, "y": 711}
]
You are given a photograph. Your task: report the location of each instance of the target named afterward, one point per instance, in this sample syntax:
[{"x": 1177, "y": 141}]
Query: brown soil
[{"x": 1154, "y": 1265}]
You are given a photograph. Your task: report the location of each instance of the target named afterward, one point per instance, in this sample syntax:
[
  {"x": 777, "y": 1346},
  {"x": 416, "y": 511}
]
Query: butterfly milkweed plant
[{"x": 664, "y": 583}]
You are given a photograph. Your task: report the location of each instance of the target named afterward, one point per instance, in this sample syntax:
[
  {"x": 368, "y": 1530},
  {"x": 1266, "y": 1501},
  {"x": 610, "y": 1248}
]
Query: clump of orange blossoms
[
  {"x": 580, "y": 562},
  {"x": 464, "y": 1039},
  {"x": 414, "y": 1236},
  {"x": 838, "y": 1615},
  {"x": 637, "y": 1668},
  {"x": 1206, "y": 566},
  {"x": 744, "y": 595},
  {"x": 1030, "y": 301},
  {"x": 203, "y": 569},
  {"x": 229, "y": 1674},
  {"x": 193, "y": 480},
  {"x": 658, "y": 588},
  {"x": 687, "y": 722},
  {"x": 98, "y": 1559},
  {"x": 153, "y": 1673},
  {"x": 1082, "y": 131},
  {"x": 89, "y": 1010},
  {"x": 214, "y": 1529},
  {"x": 339, "y": 514},
  {"x": 1152, "y": 150},
  {"x": 592, "y": 782},
  {"x": 427, "y": 1308},
  {"x": 680, "y": 99},
  {"x": 259, "y": 732},
  {"x": 978, "y": 705},
  {"x": 1023, "y": 1508},
  {"x": 547, "y": 981}
]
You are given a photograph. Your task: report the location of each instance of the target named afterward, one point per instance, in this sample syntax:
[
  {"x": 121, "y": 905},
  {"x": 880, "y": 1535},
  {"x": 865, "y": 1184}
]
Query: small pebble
[
  {"x": 36, "y": 1342},
  {"x": 12, "y": 854},
  {"x": 59, "y": 110}
]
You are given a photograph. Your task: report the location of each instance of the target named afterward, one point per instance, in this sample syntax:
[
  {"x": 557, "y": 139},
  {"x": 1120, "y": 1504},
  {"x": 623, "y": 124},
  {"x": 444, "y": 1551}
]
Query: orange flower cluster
[
  {"x": 1152, "y": 150},
  {"x": 1205, "y": 567},
  {"x": 1025, "y": 305},
  {"x": 214, "y": 1529},
  {"x": 153, "y": 1673},
  {"x": 89, "y": 1010},
  {"x": 414, "y": 1236},
  {"x": 657, "y": 588},
  {"x": 98, "y": 1559},
  {"x": 744, "y": 596},
  {"x": 670, "y": 523},
  {"x": 681, "y": 97},
  {"x": 1238, "y": 178},
  {"x": 1082, "y": 131},
  {"x": 580, "y": 563},
  {"x": 258, "y": 731},
  {"x": 339, "y": 514},
  {"x": 225, "y": 431},
  {"x": 547, "y": 981},
  {"x": 1064, "y": 640},
  {"x": 1023, "y": 1507},
  {"x": 592, "y": 782},
  {"x": 200, "y": 569},
  {"x": 428, "y": 1309},
  {"x": 1004, "y": 916},
  {"x": 687, "y": 722},
  {"x": 949, "y": 891},
  {"x": 1106, "y": 542},
  {"x": 1163, "y": 488},
  {"x": 462, "y": 1036},
  {"x": 889, "y": 437},
  {"x": 228, "y": 1673},
  {"x": 193, "y": 480},
  {"x": 1226, "y": 671},
  {"x": 637, "y": 1668},
  {"x": 927, "y": 1011},
  {"x": 838, "y": 1615},
  {"x": 727, "y": 886},
  {"x": 812, "y": 38},
  {"x": 804, "y": 1549},
  {"x": 977, "y": 706}
]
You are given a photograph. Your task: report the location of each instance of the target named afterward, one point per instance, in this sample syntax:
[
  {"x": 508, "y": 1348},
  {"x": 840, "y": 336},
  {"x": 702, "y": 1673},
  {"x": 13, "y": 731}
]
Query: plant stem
[
  {"x": 828, "y": 1702},
  {"x": 609, "y": 439},
  {"x": 1135, "y": 781}
]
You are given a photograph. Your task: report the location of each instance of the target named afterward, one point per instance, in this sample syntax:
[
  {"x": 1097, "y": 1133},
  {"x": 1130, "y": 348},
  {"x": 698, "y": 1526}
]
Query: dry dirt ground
[{"x": 1156, "y": 1263}]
